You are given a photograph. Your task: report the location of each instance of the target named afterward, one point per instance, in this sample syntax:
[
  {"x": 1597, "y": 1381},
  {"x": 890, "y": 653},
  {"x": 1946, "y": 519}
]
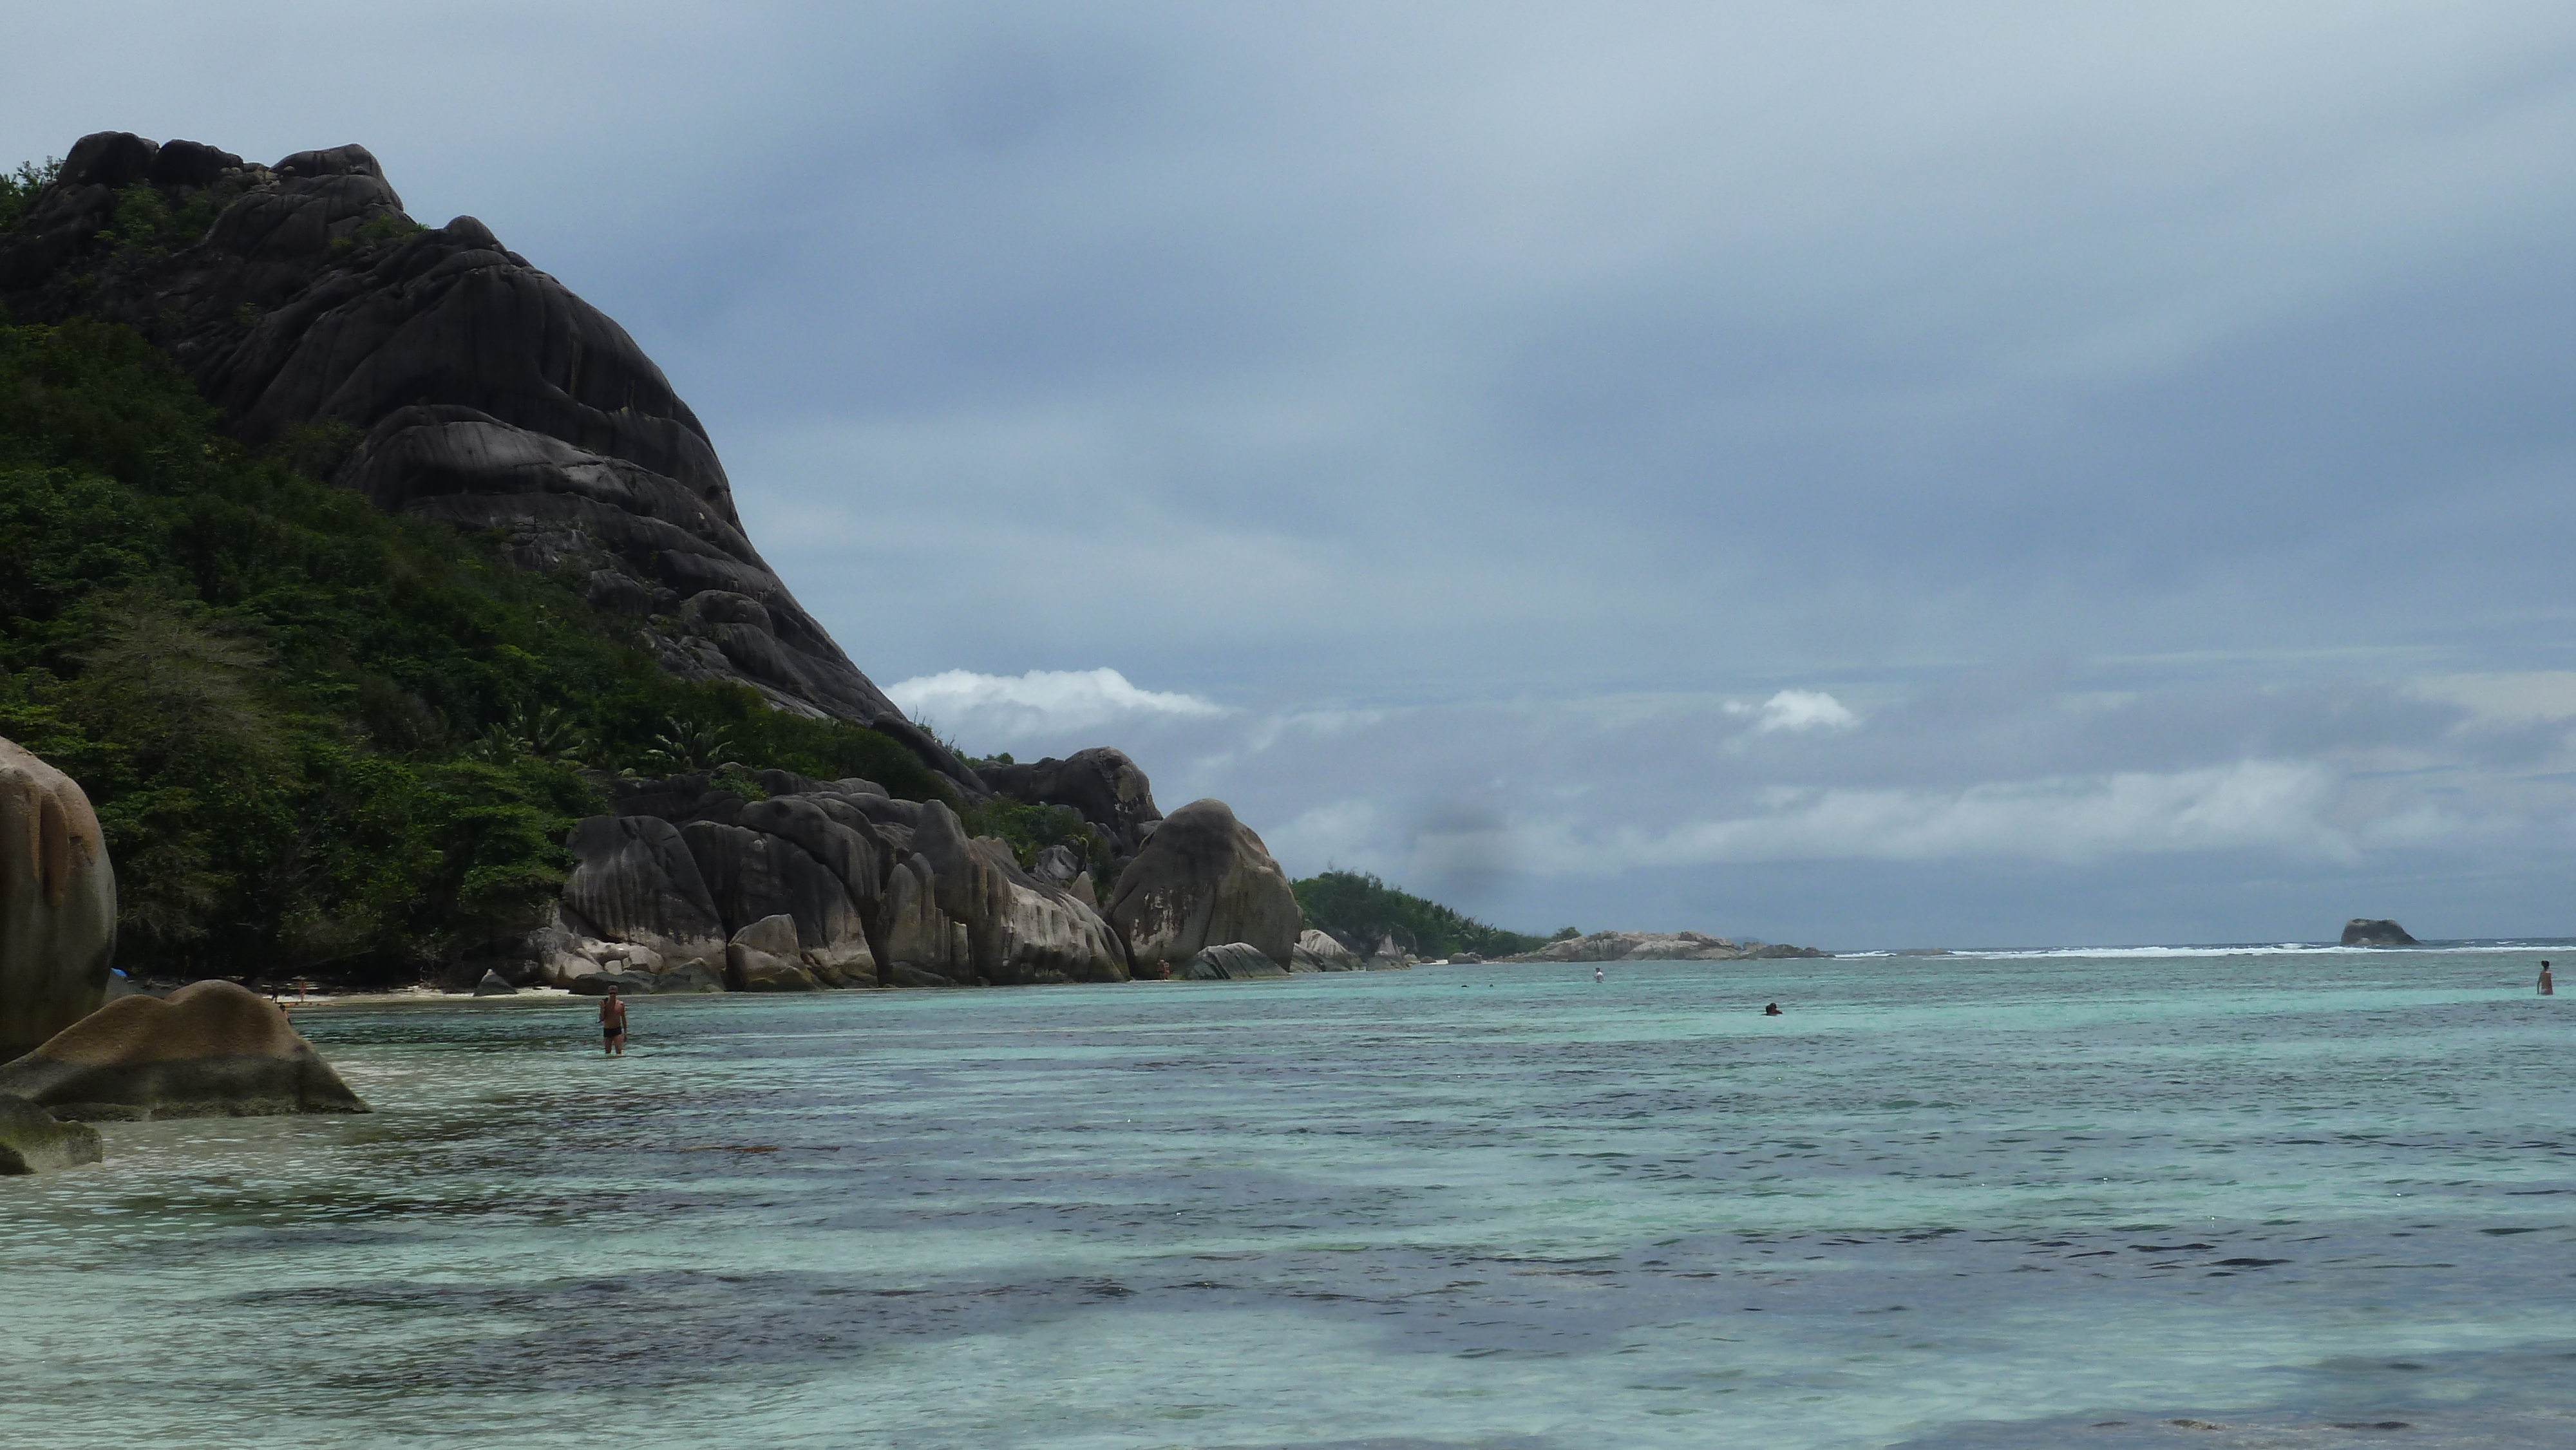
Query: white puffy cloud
[
  {"x": 1798, "y": 710},
  {"x": 1012, "y": 707}
]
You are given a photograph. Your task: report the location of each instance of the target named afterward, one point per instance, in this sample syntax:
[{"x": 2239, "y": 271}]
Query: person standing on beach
[
  {"x": 612, "y": 1024},
  {"x": 2547, "y": 987}
]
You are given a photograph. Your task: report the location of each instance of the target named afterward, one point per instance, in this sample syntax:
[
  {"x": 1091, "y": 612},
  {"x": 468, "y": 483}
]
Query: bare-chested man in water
[{"x": 612, "y": 1024}]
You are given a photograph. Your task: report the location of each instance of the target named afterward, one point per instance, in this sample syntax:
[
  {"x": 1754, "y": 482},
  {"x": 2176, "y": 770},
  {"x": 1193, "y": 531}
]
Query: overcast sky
[{"x": 1861, "y": 474}]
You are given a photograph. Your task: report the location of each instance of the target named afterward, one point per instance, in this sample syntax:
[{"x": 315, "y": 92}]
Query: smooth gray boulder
[
  {"x": 1318, "y": 952},
  {"x": 35, "y": 1141},
  {"x": 479, "y": 389},
  {"x": 1228, "y": 962},
  {"x": 764, "y": 957},
  {"x": 1203, "y": 879},
  {"x": 635, "y": 881},
  {"x": 57, "y": 903},
  {"x": 494, "y": 985},
  {"x": 2363, "y": 931},
  {"x": 210, "y": 1049}
]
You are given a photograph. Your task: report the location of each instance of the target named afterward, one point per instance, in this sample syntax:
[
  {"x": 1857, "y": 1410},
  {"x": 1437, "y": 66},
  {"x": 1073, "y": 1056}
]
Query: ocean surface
[{"x": 2205, "y": 1197}]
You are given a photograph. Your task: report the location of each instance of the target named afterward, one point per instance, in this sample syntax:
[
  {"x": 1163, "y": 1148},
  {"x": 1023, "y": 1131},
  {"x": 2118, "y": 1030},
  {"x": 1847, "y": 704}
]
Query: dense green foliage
[
  {"x": 316, "y": 735},
  {"x": 1032, "y": 828},
  {"x": 19, "y": 187},
  {"x": 1361, "y": 908}
]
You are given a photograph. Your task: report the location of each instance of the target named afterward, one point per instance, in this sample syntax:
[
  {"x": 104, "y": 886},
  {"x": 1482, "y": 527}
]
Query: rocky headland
[{"x": 432, "y": 773}]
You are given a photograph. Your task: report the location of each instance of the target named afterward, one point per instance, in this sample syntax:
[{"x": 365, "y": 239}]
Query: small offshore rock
[
  {"x": 34, "y": 1141},
  {"x": 2363, "y": 931}
]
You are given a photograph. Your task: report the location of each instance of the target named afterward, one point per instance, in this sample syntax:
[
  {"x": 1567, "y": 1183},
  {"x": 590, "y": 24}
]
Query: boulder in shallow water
[
  {"x": 57, "y": 903},
  {"x": 35, "y": 1141},
  {"x": 1228, "y": 962},
  {"x": 2363, "y": 931},
  {"x": 494, "y": 985},
  {"x": 210, "y": 1049}
]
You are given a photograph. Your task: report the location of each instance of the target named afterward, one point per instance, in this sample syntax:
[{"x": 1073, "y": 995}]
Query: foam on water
[{"x": 2007, "y": 1200}]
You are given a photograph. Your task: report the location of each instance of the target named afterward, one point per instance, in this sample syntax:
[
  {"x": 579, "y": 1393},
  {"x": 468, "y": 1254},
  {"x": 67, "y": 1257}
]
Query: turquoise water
[{"x": 1975, "y": 1201}]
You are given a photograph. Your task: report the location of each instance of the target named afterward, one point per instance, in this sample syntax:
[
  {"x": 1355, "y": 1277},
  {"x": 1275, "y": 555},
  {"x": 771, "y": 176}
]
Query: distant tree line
[{"x": 1360, "y": 910}]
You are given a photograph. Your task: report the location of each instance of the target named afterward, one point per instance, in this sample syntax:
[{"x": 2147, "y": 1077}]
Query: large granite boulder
[
  {"x": 765, "y": 957},
  {"x": 35, "y": 1141},
  {"x": 1103, "y": 784},
  {"x": 478, "y": 390},
  {"x": 1319, "y": 952},
  {"x": 1229, "y": 962},
  {"x": 2363, "y": 931},
  {"x": 57, "y": 903},
  {"x": 1203, "y": 879},
  {"x": 635, "y": 882},
  {"x": 210, "y": 1049}
]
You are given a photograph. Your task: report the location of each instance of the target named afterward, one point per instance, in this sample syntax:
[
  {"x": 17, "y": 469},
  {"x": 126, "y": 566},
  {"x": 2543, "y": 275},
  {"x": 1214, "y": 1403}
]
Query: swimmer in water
[
  {"x": 1596, "y": 974},
  {"x": 1772, "y": 1011},
  {"x": 2547, "y": 987}
]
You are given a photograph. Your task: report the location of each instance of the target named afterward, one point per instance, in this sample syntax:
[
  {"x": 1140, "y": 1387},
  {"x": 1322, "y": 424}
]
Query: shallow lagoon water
[{"x": 2315, "y": 1198}]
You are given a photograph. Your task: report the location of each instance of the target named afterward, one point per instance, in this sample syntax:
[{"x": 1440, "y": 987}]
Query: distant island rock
[
  {"x": 1647, "y": 946},
  {"x": 2363, "y": 931}
]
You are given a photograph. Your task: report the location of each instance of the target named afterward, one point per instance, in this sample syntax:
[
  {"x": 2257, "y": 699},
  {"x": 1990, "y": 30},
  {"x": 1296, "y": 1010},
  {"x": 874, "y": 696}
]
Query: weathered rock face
[
  {"x": 35, "y": 1141},
  {"x": 482, "y": 391},
  {"x": 2364, "y": 931},
  {"x": 1229, "y": 962},
  {"x": 634, "y": 881},
  {"x": 1101, "y": 783},
  {"x": 1204, "y": 879},
  {"x": 763, "y": 957},
  {"x": 210, "y": 1049},
  {"x": 1648, "y": 946},
  {"x": 1318, "y": 952},
  {"x": 57, "y": 903},
  {"x": 830, "y": 885}
]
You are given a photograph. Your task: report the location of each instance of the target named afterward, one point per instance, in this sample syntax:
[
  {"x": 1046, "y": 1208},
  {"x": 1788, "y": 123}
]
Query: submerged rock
[
  {"x": 57, "y": 903},
  {"x": 35, "y": 1141},
  {"x": 2364, "y": 931},
  {"x": 210, "y": 1049}
]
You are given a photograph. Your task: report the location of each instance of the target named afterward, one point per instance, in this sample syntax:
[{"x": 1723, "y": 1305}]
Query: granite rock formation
[
  {"x": 823, "y": 884},
  {"x": 57, "y": 903},
  {"x": 35, "y": 1141},
  {"x": 1202, "y": 879},
  {"x": 2363, "y": 931},
  {"x": 1317, "y": 951},
  {"x": 1103, "y": 784},
  {"x": 210, "y": 1049},
  {"x": 473, "y": 387},
  {"x": 1229, "y": 962}
]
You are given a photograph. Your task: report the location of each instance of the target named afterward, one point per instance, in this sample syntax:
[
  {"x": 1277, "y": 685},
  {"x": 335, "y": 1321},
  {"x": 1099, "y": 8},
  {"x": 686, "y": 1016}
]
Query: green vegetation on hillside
[
  {"x": 318, "y": 737},
  {"x": 1362, "y": 909}
]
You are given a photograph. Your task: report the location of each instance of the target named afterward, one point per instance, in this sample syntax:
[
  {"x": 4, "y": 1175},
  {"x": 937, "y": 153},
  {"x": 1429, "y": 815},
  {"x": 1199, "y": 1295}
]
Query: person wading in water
[
  {"x": 612, "y": 1024},
  {"x": 2548, "y": 988}
]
